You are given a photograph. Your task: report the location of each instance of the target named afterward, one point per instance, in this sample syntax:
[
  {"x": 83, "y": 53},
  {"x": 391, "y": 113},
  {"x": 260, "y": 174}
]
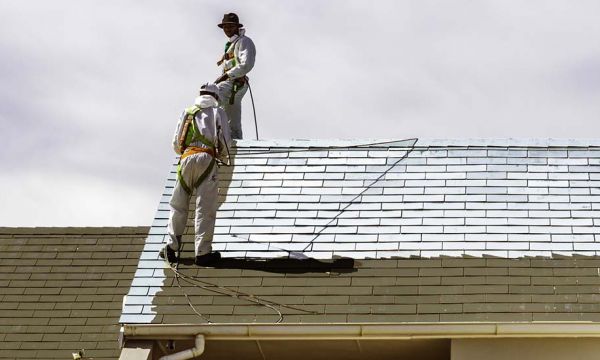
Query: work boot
[
  {"x": 207, "y": 259},
  {"x": 169, "y": 254}
]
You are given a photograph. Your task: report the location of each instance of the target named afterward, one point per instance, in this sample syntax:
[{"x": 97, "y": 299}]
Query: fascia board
[{"x": 371, "y": 331}]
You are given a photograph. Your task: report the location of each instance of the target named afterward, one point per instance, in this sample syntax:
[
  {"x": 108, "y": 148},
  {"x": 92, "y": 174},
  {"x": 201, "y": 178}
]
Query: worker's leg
[
  {"x": 191, "y": 168},
  {"x": 180, "y": 202},
  {"x": 206, "y": 213},
  {"x": 234, "y": 111}
]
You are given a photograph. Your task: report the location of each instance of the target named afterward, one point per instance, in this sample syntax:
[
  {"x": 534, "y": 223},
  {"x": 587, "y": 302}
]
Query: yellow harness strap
[{"x": 191, "y": 150}]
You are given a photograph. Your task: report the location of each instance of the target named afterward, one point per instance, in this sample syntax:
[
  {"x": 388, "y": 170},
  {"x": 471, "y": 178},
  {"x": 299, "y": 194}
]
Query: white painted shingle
[
  {"x": 284, "y": 176},
  {"x": 447, "y": 175},
  {"x": 501, "y": 197}
]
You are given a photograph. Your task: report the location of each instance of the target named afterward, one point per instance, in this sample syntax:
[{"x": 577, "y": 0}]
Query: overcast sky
[{"x": 90, "y": 91}]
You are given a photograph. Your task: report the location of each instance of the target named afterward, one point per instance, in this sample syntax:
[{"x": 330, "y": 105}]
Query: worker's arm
[
  {"x": 245, "y": 55},
  {"x": 178, "y": 130}
]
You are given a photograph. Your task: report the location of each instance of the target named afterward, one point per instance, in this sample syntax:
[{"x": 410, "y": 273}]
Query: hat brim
[{"x": 223, "y": 23}]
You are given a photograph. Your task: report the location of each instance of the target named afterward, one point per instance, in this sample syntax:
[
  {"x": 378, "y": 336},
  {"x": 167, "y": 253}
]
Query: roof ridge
[{"x": 506, "y": 142}]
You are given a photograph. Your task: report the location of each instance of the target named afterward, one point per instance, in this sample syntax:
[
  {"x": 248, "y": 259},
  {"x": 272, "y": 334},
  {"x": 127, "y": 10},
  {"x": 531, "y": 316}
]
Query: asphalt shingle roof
[
  {"x": 534, "y": 204},
  {"x": 402, "y": 290},
  {"x": 506, "y": 201},
  {"x": 62, "y": 290}
]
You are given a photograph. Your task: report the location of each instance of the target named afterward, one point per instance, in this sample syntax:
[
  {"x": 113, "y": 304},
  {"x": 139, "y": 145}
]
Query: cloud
[
  {"x": 92, "y": 90},
  {"x": 42, "y": 198}
]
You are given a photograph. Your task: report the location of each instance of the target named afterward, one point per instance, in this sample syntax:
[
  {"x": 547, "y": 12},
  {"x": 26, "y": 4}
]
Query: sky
[{"x": 91, "y": 91}]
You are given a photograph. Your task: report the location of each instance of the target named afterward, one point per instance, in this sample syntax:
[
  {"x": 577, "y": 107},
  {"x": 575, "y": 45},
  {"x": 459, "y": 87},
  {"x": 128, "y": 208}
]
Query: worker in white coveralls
[
  {"x": 201, "y": 138},
  {"x": 237, "y": 61}
]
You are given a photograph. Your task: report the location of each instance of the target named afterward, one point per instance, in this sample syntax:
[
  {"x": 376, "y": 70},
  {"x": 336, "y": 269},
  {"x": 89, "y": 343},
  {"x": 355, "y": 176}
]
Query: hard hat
[{"x": 210, "y": 89}]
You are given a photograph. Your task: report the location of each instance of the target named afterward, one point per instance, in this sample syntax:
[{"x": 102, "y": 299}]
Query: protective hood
[
  {"x": 234, "y": 37},
  {"x": 206, "y": 101}
]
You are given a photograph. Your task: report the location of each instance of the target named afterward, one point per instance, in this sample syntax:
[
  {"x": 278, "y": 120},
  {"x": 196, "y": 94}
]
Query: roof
[
  {"x": 408, "y": 198},
  {"x": 62, "y": 289},
  {"x": 406, "y": 230}
]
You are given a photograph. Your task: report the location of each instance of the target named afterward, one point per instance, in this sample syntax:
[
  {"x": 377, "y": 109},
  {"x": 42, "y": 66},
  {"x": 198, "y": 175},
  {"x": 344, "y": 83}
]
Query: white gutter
[
  {"x": 196, "y": 351},
  {"x": 365, "y": 331}
]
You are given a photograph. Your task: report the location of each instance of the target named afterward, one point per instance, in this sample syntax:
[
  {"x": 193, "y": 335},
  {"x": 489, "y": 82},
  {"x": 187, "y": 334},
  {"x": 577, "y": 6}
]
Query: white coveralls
[
  {"x": 241, "y": 54},
  {"x": 208, "y": 121}
]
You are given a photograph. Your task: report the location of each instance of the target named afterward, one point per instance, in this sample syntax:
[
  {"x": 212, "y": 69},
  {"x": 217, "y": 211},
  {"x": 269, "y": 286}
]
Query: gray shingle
[
  {"x": 467, "y": 153},
  {"x": 568, "y": 161},
  {"x": 527, "y": 175},
  {"x": 442, "y": 195},
  {"x": 446, "y": 175},
  {"x": 445, "y": 237},
  {"x": 487, "y": 175},
  {"x": 426, "y": 168},
  {"x": 65, "y": 291},
  {"x": 526, "y": 160},
  {"x": 284, "y": 176},
  {"x": 547, "y": 153},
  {"x": 447, "y": 161},
  {"x": 507, "y": 153},
  {"x": 286, "y": 161}
]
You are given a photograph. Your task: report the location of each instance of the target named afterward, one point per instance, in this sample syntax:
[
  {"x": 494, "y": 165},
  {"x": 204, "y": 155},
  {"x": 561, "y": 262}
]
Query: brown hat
[{"x": 230, "y": 18}]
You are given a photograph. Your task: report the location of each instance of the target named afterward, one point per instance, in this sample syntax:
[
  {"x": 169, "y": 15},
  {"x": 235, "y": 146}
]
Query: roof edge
[
  {"x": 363, "y": 331},
  {"x": 91, "y": 230},
  {"x": 492, "y": 142}
]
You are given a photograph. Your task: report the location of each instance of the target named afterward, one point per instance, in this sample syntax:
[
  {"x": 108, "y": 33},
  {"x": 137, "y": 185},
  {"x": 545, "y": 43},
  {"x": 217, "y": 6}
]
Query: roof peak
[{"x": 432, "y": 142}]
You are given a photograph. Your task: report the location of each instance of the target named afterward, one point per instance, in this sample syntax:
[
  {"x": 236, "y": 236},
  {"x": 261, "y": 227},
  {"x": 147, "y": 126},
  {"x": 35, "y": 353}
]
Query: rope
[
  {"x": 269, "y": 245},
  {"x": 322, "y": 148},
  {"x": 222, "y": 290},
  {"x": 189, "y": 301},
  {"x": 253, "y": 110},
  {"x": 310, "y": 243},
  {"x": 236, "y": 293},
  {"x": 176, "y": 272}
]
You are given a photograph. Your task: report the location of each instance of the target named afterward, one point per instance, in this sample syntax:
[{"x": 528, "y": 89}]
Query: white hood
[
  {"x": 206, "y": 101},
  {"x": 234, "y": 37}
]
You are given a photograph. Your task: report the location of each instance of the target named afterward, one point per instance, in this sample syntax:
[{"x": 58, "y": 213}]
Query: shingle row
[
  {"x": 434, "y": 198},
  {"x": 439, "y": 289}
]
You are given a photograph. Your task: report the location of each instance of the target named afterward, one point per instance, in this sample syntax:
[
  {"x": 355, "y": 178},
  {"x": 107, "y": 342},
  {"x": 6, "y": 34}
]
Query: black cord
[
  {"x": 323, "y": 148},
  {"x": 222, "y": 290},
  {"x": 310, "y": 243},
  {"x": 176, "y": 271},
  {"x": 219, "y": 133},
  {"x": 253, "y": 109},
  {"x": 269, "y": 246},
  {"x": 187, "y": 297}
]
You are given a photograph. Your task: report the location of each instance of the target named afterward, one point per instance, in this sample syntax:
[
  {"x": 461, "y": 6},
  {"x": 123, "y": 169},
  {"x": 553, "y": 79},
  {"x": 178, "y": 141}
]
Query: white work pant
[
  {"x": 233, "y": 111},
  {"x": 192, "y": 167}
]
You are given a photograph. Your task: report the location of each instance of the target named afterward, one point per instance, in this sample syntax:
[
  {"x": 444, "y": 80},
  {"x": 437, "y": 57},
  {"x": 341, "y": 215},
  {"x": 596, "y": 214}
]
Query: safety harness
[
  {"x": 229, "y": 54},
  {"x": 189, "y": 135}
]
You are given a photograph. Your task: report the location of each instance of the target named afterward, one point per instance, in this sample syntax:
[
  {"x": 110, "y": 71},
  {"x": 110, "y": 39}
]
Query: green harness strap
[
  {"x": 195, "y": 135},
  {"x": 200, "y": 179},
  {"x": 227, "y": 47},
  {"x": 236, "y": 86},
  {"x": 191, "y": 137}
]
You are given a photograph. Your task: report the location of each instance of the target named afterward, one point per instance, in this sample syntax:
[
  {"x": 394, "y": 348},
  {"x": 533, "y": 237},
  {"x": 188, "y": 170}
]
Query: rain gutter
[{"x": 364, "y": 331}]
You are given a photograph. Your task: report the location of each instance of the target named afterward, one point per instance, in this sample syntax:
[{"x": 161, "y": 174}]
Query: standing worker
[
  {"x": 237, "y": 61},
  {"x": 201, "y": 137}
]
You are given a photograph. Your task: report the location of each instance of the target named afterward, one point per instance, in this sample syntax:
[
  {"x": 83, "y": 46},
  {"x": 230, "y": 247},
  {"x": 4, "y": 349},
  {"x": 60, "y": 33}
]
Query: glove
[{"x": 222, "y": 78}]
